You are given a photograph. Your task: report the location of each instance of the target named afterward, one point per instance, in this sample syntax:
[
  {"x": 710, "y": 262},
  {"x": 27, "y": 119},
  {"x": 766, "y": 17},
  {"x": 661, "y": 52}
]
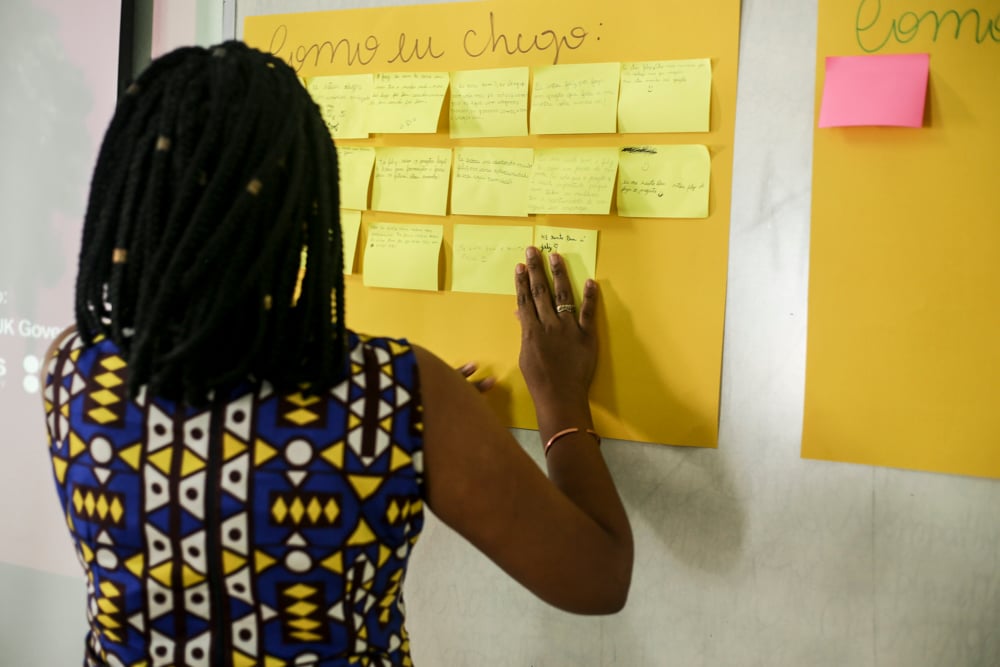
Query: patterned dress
[{"x": 264, "y": 530}]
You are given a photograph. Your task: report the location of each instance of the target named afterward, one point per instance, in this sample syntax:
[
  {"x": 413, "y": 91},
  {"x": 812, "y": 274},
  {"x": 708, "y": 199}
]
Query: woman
[{"x": 243, "y": 476}]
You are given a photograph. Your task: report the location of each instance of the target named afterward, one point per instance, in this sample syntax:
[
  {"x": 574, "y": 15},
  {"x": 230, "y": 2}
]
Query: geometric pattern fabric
[{"x": 262, "y": 530}]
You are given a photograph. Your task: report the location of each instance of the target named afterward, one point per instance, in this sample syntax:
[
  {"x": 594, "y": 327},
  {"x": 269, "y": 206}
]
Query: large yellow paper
[
  {"x": 411, "y": 180},
  {"x": 663, "y": 283},
  {"x": 664, "y": 181},
  {"x": 354, "y": 164},
  {"x": 573, "y": 180},
  {"x": 575, "y": 99},
  {"x": 489, "y": 103},
  {"x": 350, "y": 225},
  {"x": 577, "y": 247},
  {"x": 665, "y": 96},
  {"x": 484, "y": 257},
  {"x": 407, "y": 102},
  {"x": 491, "y": 181},
  {"x": 402, "y": 256},
  {"x": 903, "y": 360},
  {"x": 344, "y": 101}
]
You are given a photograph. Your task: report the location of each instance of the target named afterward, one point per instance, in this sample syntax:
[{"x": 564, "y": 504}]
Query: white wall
[{"x": 746, "y": 556}]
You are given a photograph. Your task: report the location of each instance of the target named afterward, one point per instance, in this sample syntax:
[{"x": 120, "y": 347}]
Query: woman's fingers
[
  {"x": 525, "y": 303},
  {"x": 541, "y": 295},
  {"x": 561, "y": 288},
  {"x": 588, "y": 307}
]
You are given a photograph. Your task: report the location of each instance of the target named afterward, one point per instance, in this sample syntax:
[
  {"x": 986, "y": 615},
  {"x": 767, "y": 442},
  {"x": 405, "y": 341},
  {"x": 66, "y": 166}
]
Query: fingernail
[
  {"x": 519, "y": 269},
  {"x": 531, "y": 251},
  {"x": 553, "y": 259}
]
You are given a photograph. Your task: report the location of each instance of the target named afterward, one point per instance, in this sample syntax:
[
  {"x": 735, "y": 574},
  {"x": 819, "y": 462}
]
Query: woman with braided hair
[{"x": 243, "y": 476}]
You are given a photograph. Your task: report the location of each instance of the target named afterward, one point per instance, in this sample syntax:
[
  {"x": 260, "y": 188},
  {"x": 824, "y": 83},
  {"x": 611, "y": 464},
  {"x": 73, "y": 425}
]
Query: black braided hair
[{"x": 211, "y": 245}]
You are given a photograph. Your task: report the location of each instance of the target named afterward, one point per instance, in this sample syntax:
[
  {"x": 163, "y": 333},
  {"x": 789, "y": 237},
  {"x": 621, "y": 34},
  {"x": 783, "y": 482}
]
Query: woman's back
[{"x": 262, "y": 529}]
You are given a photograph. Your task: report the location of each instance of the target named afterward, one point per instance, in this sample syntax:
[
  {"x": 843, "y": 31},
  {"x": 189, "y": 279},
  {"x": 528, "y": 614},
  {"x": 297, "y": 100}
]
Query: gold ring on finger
[{"x": 565, "y": 308}]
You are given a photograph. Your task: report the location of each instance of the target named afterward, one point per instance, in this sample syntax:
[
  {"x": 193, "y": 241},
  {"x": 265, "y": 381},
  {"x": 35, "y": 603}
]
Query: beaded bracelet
[{"x": 567, "y": 431}]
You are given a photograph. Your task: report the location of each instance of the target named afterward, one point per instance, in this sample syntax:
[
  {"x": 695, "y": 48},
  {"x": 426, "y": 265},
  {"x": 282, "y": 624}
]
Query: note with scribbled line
[
  {"x": 578, "y": 247},
  {"x": 354, "y": 165},
  {"x": 665, "y": 96},
  {"x": 575, "y": 99},
  {"x": 489, "y": 103},
  {"x": 407, "y": 102},
  {"x": 350, "y": 225},
  {"x": 402, "y": 256},
  {"x": 491, "y": 181},
  {"x": 484, "y": 257},
  {"x": 572, "y": 180},
  {"x": 344, "y": 102},
  {"x": 664, "y": 181},
  {"x": 411, "y": 180}
]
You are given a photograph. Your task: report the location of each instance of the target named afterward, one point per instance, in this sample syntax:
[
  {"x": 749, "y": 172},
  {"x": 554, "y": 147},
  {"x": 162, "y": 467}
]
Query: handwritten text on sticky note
[
  {"x": 665, "y": 96},
  {"x": 344, "y": 102},
  {"x": 572, "y": 180},
  {"x": 578, "y": 247},
  {"x": 484, "y": 257},
  {"x": 664, "y": 181},
  {"x": 402, "y": 256},
  {"x": 407, "y": 102},
  {"x": 575, "y": 99},
  {"x": 411, "y": 180},
  {"x": 489, "y": 103},
  {"x": 491, "y": 181}
]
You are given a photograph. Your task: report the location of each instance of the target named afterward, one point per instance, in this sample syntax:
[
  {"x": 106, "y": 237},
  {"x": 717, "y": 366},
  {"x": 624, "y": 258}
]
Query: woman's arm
[{"x": 565, "y": 537}]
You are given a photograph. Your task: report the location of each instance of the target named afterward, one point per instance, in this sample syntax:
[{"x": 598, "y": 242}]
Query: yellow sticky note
[
  {"x": 665, "y": 96},
  {"x": 484, "y": 257},
  {"x": 664, "y": 181},
  {"x": 572, "y": 180},
  {"x": 402, "y": 256},
  {"x": 344, "y": 102},
  {"x": 489, "y": 103},
  {"x": 491, "y": 181},
  {"x": 407, "y": 102},
  {"x": 578, "y": 247},
  {"x": 354, "y": 164},
  {"x": 575, "y": 99},
  {"x": 411, "y": 180},
  {"x": 350, "y": 224}
]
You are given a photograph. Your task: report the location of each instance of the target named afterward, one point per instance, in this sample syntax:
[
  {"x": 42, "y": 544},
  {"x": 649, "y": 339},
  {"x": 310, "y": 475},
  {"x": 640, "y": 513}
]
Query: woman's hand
[
  {"x": 558, "y": 346},
  {"x": 483, "y": 385}
]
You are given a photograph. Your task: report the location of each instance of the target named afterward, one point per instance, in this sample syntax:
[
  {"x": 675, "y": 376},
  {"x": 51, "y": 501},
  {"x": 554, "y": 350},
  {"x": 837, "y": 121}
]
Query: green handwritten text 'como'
[{"x": 873, "y": 30}]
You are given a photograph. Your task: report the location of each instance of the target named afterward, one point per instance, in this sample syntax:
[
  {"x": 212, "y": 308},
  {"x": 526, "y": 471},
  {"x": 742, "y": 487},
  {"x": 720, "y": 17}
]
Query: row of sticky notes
[
  {"x": 654, "y": 96},
  {"x": 405, "y": 256},
  {"x": 663, "y": 181}
]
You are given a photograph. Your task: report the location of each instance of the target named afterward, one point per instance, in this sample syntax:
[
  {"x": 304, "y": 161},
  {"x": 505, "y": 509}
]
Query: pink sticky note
[{"x": 875, "y": 90}]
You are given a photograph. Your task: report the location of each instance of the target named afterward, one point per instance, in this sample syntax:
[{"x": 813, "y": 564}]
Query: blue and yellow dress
[{"x": 264, "y": 530}]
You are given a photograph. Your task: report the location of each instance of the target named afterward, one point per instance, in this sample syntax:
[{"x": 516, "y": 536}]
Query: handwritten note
[
  {"x": 350, "y": 225},
  {"x": 572, "y": 180},
  {"x": 344, "y": 102},
  {"x": 875, "y": 90},
  {"x": 489, "y": 103},
  {"x": 575, "y": 99},
  {"x": 578, "y": 247},
  {"x": 491, "y": 181},
  {"x": 354, "y": 164},
  {"x": 484, "y": 257},
  {"x": 411, "y": 180},
  {"x": 407, "y": 102},
  {"x": 664, "y": 181},
  {"x": 665, "y": 96},
  {"x": 402, "y": 256}
]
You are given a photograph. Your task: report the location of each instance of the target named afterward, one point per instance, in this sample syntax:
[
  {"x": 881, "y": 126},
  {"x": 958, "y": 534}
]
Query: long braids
[{"x": 212, "y": 246}]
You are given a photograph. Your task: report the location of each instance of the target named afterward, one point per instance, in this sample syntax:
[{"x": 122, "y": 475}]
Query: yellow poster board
[
  {"x": 663, "y": 281},
  {"x": 903, "y": 365}
]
